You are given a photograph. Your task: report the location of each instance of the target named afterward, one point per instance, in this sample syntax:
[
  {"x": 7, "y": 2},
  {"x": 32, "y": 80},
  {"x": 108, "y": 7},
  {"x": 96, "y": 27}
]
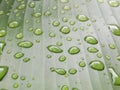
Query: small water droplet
[
  {"x": 54, "y": 49},
  {"x": 75, "y": 89},
  {"x": 82, "y": 18},
  {"x": 66, "y": 7},
  {"x": 99, "y": 55},
  {"x": 52, "y": 34},
  {"x": 25, "y": 44},
  {"x": 59, "y": 43},
  {"x": 19, "y": 36},
  {"x": 92, "y": 49},
  {"x": 56, "y": 23},
  {"x": 2, "y": 45},
  {"x": 38, "y": 31},
  {"x": 59, "y": 71},
  {"x": 1, "y": 12},
  {"x": 3, "y": 33},
  {"x": 114, "y": 3},
  {"x": 82, "y": 64},
  {"x": 29, "y": 85},
  {"x": 69, "y": 39},
  {"x": 22, "y": 78},
  {"x": 115, "y": 29},
  {"x": 13, "y": 24},
  {"x": 73, "y": 50},
  {"x": 36, "y": 14},
  {"x": 47, "y": 13},
  {"x": 14, "y": 76},
  {"x": 19, "y": 55},
  {"x": 22, "y": 6},
  {"x": 15, "y": 85},
  {"x": 26, "y": 59},
  {"x": 97, "y": 65},
  {"x": 112, "y": 46},
  {"x": 64, "y": 87},
  {"x": 31, "y": 4},
  {"x": 64, "y": 1},
  {"x": 62, "y": 58},
  {"x": 65, "y": 19},
  {"x": 65, "y": 29},
  {"x": 91, "y": 40},
  {"x": 72, "y": 71},
  {"x": 49, "y": 56}
]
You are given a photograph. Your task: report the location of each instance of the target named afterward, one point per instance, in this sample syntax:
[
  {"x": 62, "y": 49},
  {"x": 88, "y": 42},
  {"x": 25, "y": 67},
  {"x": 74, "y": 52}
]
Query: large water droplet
[
  {"x": 92, "y": 49},
  {"x": 2, "y": 33},
  {"x": 82, "y": 18},
  {"x": 59, "y": 71},
  {"x": 54, "y": 48},
  {"x": 115, "y": 29},
  {"x": 115, "y": 77},
  {"x": 65, "y": 29},
  {"x": 13, "y": 24},
  {"x": 64, "y": 87},
  {"x": 3, "y": 71},
  {"x": 114, "y": 3},
  {"x": 91, "y": 40},
  {"x": 2, "y": 45},
  {"x": 73, "y": 50},
  {"x": 97, "y": 65},
  {"x": 72, "y": 71},
  {"x": 25, "y": 44}
]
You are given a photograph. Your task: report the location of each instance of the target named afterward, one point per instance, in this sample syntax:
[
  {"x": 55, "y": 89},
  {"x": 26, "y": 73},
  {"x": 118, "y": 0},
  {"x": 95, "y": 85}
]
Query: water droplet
[
  {"x": 2, "y": 45},
  {"x": 31, "y": 4},
  {"x": 36, "y": 14},
  {"x": 73, "y": 50},
  {"x": 115, "y": 29},
  {"x": 22, "y": 6},
  {"x": 107, "y": 57},
  {"x": 13, "y": 24},
  {"x": 91, "y": 40},
  {"x": 29, "y": 85},
  {"x": 72, "y": 71},
  {"x": 47, "y": 13},
  {"x": 59, "y": 43},
  {"x": 82, "y": 18},
  {"x": 49, "y": 56},
  {"x": 1, "y": 12},
  {"x": 69, "y": 39},
  {"x": 2, "y": 33},
  {"x": 56, "y": 23},
  {"x": 92, "y": 49},
  {"x": 97, "y": 65},
  {"x": 19, "y": 36},
  {"x": 59, "y": 71},
  {"x": 100, "y": 1},
  {"x": 82, "y": 64},
  {"x": 26, "y": 59},
  {"x": 113, "y": 3},
  {"x": 52, "y": 34},
  {"x": 15, "y": 85},
  {"x": 74, "y": 88},
  {"x": 54, "y": 49},
  {"x": 65, "y": 29},
  {"x": 115, "y": 76},
  {"x": 99, "y": 55},
  {"x": 112, "y": 46},
  {"x": 62, "y": 58},
  {"x": 14, "y": 76},
  {"x": 72, "y": 23},
  {"x": 64, "y": 19},
  {"x": 38, "y": 31},
  {"x": 3, "y": 71},
  {"x": 118, "y": 57},
  {"x": 25, "y": 44},
  {"x": 64, "y": 87},
  {"x": 22, "y": 78},
  {"x": 66, "y": 8},
  {"x": 19, "y": 55},
  {"x": 64, "y": 1}
]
